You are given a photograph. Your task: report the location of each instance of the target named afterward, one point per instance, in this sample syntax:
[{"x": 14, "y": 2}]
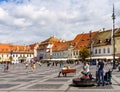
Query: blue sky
[
  {"x": 3, "y": 0},
  {"x": 30, "y": 21}
]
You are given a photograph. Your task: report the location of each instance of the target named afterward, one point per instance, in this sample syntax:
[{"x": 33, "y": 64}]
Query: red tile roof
[
  {"x": 61, "y": 46},
  {"x": 7, "y": 48},
  {"x": 82, "y": 40}
]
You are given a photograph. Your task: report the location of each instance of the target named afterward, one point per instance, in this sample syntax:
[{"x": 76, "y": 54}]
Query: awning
[
  {"x": 103, "y": 57},
  {"x": 56, "y": 59}
]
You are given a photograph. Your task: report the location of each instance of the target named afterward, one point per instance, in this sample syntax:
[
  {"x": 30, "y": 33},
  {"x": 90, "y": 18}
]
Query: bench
[{"x": 64, "y": 72}]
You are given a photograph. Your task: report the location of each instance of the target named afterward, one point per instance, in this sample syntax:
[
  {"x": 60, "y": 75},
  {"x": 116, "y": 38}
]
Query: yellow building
[{"x": 117, "y": 42}]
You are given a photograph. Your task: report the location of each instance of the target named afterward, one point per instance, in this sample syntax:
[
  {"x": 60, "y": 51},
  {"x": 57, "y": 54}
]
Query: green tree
[{"x": 84, "y": 53}]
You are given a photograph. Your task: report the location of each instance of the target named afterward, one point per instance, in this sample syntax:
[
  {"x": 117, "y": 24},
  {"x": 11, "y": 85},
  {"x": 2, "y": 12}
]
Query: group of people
[{"x": 99, "y": 71}]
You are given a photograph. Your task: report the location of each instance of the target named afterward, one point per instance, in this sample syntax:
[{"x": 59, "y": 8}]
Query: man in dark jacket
[{"x": 101, "y": 72}]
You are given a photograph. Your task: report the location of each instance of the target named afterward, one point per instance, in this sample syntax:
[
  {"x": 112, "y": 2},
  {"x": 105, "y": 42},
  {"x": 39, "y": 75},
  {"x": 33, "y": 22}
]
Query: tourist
[
  {"x": 101, "y": 72},
  {"x": 85, "y": 67},
  {"x": 97, "y": 69}
]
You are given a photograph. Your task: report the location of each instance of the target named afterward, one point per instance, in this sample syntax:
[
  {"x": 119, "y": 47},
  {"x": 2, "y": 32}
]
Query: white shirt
[{"x": 86, "y": 68}]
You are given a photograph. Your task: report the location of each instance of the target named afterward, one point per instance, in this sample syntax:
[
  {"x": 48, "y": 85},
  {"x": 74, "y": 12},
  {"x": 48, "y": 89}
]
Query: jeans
[{"x": 101, "y": 74}]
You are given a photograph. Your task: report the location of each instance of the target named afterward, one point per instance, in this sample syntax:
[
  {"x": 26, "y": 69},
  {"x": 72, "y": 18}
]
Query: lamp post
[
  {"x": 90, "y": 47},
  {"x": 113, "y": 18}
]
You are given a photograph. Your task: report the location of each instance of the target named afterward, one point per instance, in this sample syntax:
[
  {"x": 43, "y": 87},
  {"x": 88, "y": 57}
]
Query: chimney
[{"x": 103, "y": 29}]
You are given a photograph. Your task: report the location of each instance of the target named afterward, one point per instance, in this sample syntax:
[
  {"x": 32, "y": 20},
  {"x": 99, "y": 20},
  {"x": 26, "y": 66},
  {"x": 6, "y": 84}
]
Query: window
[
  {"x": 99, "y": 41},
  {"x": 13, "y": 55},
  {"x": 108, "y": 50},
  {"x": 7, "y": 55},
  {"x": 99, "y": 51},
  {"x": 95, "y": 51},
  {"x": 104, "y": 51},
  {"x": 74, "y": 52}
]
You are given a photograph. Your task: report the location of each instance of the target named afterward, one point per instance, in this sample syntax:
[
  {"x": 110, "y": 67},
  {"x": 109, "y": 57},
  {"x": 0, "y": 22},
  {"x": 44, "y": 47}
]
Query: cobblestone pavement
[{"x": 45, "y": 79}]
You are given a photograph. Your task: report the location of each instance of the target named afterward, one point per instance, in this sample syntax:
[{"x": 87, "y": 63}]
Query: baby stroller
[{"x": 107, "y": 77}]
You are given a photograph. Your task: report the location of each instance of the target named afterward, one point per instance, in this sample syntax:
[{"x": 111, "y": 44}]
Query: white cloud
[{"x": 36, "y": 20}]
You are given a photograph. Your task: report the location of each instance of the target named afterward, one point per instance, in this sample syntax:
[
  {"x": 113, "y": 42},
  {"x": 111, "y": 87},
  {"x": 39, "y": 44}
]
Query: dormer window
[
  {"x": 99, "y": 41},
  {"x": 106, "y": 40}
]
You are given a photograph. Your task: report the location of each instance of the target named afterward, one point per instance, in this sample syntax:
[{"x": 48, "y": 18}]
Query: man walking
[{"x": 101, "y": 72}]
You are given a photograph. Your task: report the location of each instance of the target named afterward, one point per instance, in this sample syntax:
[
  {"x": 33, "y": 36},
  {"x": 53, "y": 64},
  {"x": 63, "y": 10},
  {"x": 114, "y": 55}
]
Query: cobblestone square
[{"x": 45, "y": 79}]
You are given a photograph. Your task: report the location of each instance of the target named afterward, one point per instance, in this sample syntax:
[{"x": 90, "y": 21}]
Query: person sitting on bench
[{"x": 64, "y": 68}]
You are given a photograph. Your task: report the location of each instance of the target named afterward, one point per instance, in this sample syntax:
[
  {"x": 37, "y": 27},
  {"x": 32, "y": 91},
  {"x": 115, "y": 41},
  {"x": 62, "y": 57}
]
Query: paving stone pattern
[{"x": 45, "y": 79}]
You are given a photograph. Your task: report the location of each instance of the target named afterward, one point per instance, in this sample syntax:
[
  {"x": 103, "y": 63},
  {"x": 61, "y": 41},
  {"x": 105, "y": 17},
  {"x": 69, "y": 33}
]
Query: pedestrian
[
  {"x": 97, "y": 69},
  {"x": 101, "y": 72},
  {"x": 5, "y": 66},
  {"x": 34, "y": 67},
  {"x": 85, "y": 67},
  {"x": 26, "y": 65}
]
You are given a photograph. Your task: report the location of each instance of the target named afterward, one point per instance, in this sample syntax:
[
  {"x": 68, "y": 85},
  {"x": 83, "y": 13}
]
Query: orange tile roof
[
  {"x": 7, "y": 48},
  {"x": 32, "y": 46},
  {"x": 82, "y": 40},
  {"x": 61, "y": 46}
]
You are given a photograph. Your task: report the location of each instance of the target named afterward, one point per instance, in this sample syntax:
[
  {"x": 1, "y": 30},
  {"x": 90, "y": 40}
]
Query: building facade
[
  {"x": 44, "y": 49},
  {"x": 17, "y": 52}
]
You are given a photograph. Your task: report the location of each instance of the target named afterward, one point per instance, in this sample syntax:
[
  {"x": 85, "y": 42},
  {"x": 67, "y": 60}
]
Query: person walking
[
  {"x": 101, "y": 72},
  {"x": 97, "y": 69}
]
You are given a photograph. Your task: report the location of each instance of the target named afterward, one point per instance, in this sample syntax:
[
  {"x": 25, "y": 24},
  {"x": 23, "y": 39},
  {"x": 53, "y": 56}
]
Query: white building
[
  {"x": 102, "y": 46},
  {"x": 17, "y": 52}
]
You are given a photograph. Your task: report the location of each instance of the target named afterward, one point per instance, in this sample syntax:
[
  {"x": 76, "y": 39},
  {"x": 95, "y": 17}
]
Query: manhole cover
[{"x": 46, "y": 86}]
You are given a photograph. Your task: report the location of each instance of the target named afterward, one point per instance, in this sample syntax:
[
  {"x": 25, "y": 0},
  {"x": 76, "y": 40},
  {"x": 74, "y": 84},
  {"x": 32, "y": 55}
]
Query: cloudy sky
[{"x": 30, "y": 21}]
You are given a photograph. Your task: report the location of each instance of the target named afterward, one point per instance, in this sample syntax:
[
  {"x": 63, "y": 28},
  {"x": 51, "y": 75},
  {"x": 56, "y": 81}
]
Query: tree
[{"x": 84, "y": 53}]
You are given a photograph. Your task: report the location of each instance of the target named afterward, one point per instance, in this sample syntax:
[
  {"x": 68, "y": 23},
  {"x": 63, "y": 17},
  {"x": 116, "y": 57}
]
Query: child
[{"x": 90, "y": 75}]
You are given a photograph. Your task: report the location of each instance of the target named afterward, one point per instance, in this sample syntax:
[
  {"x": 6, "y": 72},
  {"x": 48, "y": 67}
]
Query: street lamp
[
  {"x": 113, "y": 18},
  {"x": 90, "y": 46}
]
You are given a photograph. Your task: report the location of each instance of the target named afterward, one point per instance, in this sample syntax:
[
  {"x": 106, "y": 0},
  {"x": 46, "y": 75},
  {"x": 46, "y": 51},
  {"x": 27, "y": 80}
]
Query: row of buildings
[{"x": 99, "y": 44}]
